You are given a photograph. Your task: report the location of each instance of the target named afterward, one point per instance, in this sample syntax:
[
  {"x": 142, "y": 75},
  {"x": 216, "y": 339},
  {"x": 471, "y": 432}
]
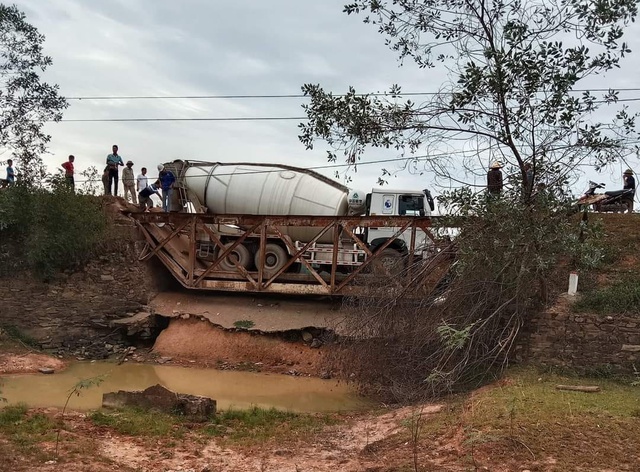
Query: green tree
[
  {"x": 26, "y": 102},
  {"x": 512, "y": 68}
]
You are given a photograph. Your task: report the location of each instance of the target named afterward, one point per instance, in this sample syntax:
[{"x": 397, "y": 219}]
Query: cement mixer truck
[{"x": 271, "y": 227}]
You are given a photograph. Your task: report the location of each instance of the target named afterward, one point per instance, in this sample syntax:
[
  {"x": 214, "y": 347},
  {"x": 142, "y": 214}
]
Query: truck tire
[
  {"x": 240, "y": 254},
  {"x": 275, "y": 257},
  {"x": 389, "y": 259}
]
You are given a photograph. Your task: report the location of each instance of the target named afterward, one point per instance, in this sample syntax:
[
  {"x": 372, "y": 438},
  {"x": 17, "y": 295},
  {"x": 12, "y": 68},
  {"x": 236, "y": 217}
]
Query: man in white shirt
[{"x": 142, "y": 181}]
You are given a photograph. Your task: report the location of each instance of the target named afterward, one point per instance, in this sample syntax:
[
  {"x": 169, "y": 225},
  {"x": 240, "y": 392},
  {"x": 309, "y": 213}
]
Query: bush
[{"x": 48, "y": 230}]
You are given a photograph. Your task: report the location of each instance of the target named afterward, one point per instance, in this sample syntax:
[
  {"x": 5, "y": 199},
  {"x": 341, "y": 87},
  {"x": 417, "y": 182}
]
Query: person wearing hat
[
  {"x": 494, "y": 179},
  {"x": 629, "y": 184},
  {"x": 129, "y": 182}
]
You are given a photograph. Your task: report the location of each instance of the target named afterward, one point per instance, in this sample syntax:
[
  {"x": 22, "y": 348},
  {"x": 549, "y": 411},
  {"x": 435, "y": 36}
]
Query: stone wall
[
  {"x": 561, "y": 338},
  {"x": 73, "y": 312}
]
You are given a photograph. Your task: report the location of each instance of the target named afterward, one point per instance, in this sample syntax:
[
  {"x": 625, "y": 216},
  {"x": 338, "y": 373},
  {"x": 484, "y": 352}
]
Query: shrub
[{"x": 48, "y": 229}]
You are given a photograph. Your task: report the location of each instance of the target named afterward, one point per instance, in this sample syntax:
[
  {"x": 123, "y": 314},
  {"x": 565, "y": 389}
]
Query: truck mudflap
[{"x": 343, "y": 267}]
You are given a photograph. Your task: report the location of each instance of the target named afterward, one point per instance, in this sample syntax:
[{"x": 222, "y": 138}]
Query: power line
[
  {"x": 239, "y": 118},
  {"x": 285, "y": 96}
]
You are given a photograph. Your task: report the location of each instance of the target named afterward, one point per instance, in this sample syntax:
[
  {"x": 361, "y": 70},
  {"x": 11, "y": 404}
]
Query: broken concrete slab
[
  {"x": 268, "y": 313},
  {"x": 159, "y": 398}
]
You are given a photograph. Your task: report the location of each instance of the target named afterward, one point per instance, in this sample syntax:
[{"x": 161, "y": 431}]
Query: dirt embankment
[{"x": 194, "y": 341}]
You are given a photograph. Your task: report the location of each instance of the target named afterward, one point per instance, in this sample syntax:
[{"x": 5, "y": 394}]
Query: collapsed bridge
[{"x": 214, "y": 252}]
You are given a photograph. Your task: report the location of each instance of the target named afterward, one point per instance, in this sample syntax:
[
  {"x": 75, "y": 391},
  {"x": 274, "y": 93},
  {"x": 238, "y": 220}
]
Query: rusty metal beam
[
  {"x": 195, "y": 273},
  {"x": 285, "y": 220},
  {"x": 367, "y": 261},
  {"x": 226, "y": 252},
  {"x": 293, "y": 249}
]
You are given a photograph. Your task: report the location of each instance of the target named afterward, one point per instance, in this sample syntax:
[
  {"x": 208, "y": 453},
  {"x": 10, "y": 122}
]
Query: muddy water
[{"x": 237, "y": 390}]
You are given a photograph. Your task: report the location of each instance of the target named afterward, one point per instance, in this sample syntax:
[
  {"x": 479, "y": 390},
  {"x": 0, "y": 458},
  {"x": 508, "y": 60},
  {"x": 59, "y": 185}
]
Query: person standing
[
  {"x": 494, "y": 179},
  {"x": 629, "y": 184},
  {"x": 105, "y": 180},
  {"x": 113, "y": 161},
  {"x": 142, "y": 181},
  {"x": 129, "y": 182},
  {"x": 144, "y": 196},
  {"x": 11, "y": 173},
  {"x": 167, "y": 179},
  {"x": 68, "y": 173}
]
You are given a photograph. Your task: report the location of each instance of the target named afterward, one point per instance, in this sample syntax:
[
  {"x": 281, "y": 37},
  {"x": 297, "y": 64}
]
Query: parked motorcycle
[{"x": 615, "y": 201}]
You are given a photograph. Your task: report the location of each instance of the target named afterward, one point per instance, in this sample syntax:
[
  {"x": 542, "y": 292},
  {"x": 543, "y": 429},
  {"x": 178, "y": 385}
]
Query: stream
[{"x": 231, "y": 389}]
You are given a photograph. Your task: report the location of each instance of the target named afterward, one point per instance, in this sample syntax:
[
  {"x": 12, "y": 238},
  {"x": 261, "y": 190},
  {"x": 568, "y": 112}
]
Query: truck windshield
[{"x": 411, "y": 205}]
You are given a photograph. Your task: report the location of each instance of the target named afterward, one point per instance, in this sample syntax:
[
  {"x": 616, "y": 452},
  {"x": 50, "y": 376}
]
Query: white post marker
[{"x": 573, "y": 283}]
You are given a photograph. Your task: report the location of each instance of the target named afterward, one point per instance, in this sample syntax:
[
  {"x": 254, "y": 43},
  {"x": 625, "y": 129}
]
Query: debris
[
  {"x": 579, "y": 388},
  {"x": 160, "y": 398}
]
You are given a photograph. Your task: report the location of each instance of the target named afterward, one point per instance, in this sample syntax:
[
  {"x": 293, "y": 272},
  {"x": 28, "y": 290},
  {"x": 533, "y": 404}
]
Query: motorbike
[{"x": 615, "y": 201}]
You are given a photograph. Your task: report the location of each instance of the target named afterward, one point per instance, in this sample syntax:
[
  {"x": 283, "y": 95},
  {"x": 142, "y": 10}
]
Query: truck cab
[{"x": 390, "y": 202}]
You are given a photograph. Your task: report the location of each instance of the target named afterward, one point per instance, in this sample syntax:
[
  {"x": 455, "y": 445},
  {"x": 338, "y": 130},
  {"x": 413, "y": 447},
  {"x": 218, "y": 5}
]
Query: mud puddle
[{"x": 231, "y": 389}]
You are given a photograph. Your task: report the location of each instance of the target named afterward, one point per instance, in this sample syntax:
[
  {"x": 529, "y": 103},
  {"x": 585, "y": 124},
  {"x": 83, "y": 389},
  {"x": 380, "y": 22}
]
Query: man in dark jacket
[
  {"x": 629, "y": 184},
  {"x": 167, "y": 179},
  {"x": 494, "y": 179}
]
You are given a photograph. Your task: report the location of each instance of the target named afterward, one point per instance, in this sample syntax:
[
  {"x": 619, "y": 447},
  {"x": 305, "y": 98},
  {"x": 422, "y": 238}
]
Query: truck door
[{"x": 402, "y": 205}]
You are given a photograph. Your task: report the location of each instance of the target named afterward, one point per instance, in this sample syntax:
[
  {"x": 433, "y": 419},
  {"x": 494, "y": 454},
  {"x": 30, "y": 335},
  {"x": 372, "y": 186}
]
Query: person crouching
[{"x": 144, "y": 196}]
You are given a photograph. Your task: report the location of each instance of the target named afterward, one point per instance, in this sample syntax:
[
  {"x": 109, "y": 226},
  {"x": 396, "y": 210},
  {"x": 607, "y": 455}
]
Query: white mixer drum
[{"x": 253, "y": 189}]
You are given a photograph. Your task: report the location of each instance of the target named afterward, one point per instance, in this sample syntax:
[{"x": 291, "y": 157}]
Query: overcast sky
[{"x": 223, "y": 47}]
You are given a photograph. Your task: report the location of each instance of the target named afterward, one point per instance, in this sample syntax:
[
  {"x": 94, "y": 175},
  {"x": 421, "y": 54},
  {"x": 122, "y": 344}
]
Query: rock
[
  {"x": 316, "y": 343},
  {"x": 307, "y": 337},
  {"x": 164, "y": 360},
  {"x": 159, "y": 398},
  {"x": 631, "y": 347},
  {"x": 46, "y": 370},
  {"x": 107, "y": 278},
  {"x": 325, "y": 375}
]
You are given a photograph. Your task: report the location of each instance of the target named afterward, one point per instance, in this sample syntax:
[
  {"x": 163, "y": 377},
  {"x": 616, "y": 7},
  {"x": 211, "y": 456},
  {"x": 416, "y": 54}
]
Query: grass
[
  {"x": 622, "y": 296},
  {"x": 523, "y": 420},
  {"x": 137, "y": 422},
  {"x": 253, "y": 425},
  {"x": 258, "y": 424},
  {"x": 243, "y": 324},
  {"x": 24, "y": 429}
]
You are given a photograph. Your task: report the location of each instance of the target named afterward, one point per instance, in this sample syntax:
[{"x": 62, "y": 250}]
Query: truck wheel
[
  {"x": 240, "y": 255},
  {"x": 388, "y": 259},
  {"x": 274, "y": 258}
]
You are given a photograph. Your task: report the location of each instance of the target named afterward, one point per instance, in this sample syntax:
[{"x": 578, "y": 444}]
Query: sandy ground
[
  {"x": 207, "y": 345},
  {"x": 27, "y": 363},
  {"x": 348, "y": 447}
]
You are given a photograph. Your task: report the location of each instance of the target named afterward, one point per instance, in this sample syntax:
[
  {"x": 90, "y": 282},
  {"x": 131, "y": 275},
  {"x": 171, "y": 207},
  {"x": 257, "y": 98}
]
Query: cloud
[{"x": 200, "y": 47}]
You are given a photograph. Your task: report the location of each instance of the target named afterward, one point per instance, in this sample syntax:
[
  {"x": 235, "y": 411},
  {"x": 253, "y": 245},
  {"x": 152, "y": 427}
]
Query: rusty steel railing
[{"x": 174, "y": 239}]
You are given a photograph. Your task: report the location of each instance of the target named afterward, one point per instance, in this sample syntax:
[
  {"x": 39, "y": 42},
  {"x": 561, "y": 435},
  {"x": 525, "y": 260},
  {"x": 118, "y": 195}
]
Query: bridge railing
[{"x": 177, "y": 240}]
